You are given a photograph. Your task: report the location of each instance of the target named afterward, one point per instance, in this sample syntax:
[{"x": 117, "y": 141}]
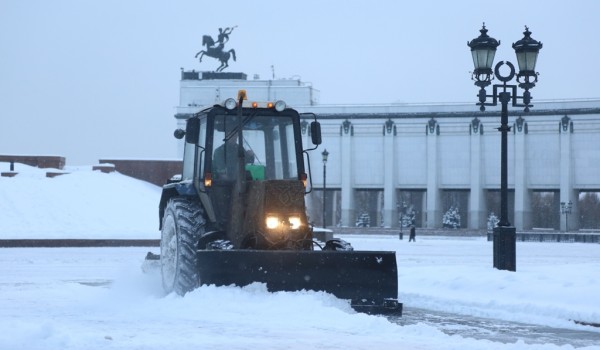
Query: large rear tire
[{"x": 183, "y": 225}]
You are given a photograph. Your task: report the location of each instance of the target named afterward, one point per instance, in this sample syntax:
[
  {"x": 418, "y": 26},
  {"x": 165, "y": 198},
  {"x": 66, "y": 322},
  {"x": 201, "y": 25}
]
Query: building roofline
[
  {"x": 442, "y": 115},
  {"x": 437, "y": 115}
]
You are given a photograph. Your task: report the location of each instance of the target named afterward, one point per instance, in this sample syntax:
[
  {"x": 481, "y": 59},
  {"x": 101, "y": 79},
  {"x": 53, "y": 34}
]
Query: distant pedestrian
[{"x": 412, "y": 234}]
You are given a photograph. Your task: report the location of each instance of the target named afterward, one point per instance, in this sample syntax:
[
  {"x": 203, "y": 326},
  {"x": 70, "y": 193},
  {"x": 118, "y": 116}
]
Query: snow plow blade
[{"x": 369, "y": 279}]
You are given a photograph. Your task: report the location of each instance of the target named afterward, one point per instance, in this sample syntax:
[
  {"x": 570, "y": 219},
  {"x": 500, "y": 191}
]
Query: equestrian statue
[{"x": 215, "y": 48}]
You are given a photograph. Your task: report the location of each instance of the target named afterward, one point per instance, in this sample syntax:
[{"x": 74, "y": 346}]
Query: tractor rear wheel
[{"x": 183, "y": 225}]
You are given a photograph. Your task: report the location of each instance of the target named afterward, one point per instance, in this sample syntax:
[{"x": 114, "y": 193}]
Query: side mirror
[
  {"x": 315, "y": 133},
  {"x": 179, "y": 134},
  {"x": 192, "y": 130}
]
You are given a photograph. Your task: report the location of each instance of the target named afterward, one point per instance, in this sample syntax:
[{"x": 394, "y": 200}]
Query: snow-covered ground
[{"x": 99, "y": 298}]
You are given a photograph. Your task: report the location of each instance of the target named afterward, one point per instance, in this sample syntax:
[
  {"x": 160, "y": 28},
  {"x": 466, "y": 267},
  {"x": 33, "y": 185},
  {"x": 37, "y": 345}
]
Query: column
[
  {"x": 389, "y": 192},
  {"x": 522, "y": 192},
  {"x": 335, "y": 215},
  {"x": 477, "y": 204},
  {"x": 434, "y": 212},
  {"x": 346, "y": 133},
  {"x": 567, "y": 193}
]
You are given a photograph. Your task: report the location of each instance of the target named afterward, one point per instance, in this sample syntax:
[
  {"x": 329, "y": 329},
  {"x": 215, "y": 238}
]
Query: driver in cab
[{"x": 224, "y": 162}]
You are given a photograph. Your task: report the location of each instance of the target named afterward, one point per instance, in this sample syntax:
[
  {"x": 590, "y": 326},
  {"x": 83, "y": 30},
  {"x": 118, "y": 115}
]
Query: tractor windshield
[{"x": 269, "y": 147}]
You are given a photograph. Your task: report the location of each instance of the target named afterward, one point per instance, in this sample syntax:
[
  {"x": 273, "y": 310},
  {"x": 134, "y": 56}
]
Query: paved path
[{"x": 498, "y": 330}]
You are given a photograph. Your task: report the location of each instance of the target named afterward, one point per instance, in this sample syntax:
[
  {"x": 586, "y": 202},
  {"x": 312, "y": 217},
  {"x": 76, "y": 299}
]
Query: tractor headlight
[
  {"x": 280, "y": 106},
  {"x": 295, "y": 222},
  {"x": 274, "y": 222},
  {"x": 230, "y": 103}
]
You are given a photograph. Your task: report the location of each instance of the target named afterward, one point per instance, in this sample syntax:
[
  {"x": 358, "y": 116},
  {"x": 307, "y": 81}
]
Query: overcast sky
[{"x": 100, "y": 78}]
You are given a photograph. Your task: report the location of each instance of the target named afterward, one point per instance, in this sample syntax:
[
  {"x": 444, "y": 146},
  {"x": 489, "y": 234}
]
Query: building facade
[{"x": 423, "y": 161}]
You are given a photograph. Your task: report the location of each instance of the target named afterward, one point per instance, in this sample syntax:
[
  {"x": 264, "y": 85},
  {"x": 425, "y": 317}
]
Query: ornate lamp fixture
[
  {"x": 527, "y": 50},
  {"x": 483, "y": 50}
]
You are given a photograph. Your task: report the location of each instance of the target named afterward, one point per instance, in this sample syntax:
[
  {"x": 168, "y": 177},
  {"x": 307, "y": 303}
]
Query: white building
[{"x": 384, "y": 159}]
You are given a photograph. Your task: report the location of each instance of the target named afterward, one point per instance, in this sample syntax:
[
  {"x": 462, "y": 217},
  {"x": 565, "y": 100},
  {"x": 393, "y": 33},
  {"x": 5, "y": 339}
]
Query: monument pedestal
[{"x": 193, "y": 75}]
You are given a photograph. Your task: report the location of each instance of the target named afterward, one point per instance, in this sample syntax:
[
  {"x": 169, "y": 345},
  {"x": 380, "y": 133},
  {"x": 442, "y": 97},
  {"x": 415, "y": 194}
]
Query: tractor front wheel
[{"x": 183, "y": 225}]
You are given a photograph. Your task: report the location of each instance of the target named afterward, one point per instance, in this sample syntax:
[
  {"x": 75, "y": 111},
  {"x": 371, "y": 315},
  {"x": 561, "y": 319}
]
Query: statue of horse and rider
[{"x": 215, "y": 49}]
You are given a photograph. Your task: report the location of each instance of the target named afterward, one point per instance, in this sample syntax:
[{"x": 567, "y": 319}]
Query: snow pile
[{"x": 79, "y": 204}]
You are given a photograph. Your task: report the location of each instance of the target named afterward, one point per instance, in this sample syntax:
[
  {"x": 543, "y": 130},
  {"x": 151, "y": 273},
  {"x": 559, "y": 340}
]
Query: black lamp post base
[{"x": 505, "y": 248}]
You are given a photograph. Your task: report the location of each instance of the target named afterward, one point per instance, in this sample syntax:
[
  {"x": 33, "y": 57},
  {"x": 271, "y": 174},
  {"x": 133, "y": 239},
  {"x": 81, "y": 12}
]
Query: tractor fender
[{"x": 184, "y": 188}]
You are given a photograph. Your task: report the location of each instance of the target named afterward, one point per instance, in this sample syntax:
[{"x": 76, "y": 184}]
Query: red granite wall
[
  {"x": 36, "y": 161},
  {"x": 153, "y": 171}
]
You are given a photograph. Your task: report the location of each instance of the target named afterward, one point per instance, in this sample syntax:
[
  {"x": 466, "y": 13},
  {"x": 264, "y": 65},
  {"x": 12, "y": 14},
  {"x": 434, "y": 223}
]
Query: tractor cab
[{"x": 239, "y": 152}]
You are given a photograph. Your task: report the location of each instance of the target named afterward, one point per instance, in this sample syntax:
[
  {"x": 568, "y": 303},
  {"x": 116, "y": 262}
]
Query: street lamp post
[
  {"x": 483, "y": 50},
  {"x": 565, "y": 208},
  {"x": 325, "y": 154}
]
